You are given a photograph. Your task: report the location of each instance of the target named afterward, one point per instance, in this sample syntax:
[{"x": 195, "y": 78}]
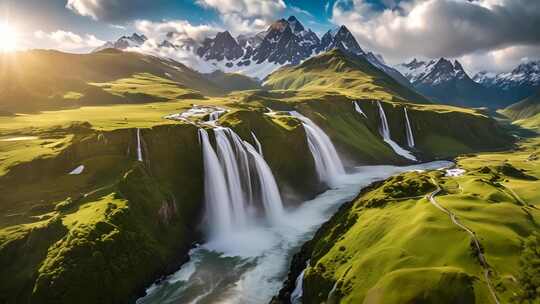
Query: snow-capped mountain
[
  {"x": 447, "y": 82},
  {"x": 285, "y": 42},
  {"x": 124, "y": 42},
  {"x": 517, "y": 84},
  {"x": 340, "y": 38}
]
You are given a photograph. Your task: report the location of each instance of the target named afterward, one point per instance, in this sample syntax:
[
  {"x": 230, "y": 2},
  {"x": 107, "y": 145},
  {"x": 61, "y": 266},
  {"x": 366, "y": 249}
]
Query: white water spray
[
  {"x": 216, "y": 192},
  {"x": 258, "y": 143},
  {"x": 410, "y": 136},
  {"x": 358, "y": 109},
  {"x": 236, "y": 178},
  {"x": 139, "y": 149},
  {"x": 229, "y": 163},
  {"x": 270, "y": 196},
  {"x": 385, "y": 132},
  {"x": 327, "y": 162}
]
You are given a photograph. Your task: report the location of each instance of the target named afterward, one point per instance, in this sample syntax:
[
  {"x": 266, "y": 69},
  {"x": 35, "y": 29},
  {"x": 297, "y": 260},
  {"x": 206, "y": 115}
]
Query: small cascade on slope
[
  {"x": 358, "y": 109},
  {"x": 237, "y": 178},
  {"x": 327, "y": 162},
  {"x": 385, "y": 132},
  {"x": 259, "y": 146},
  {"x": 216, "y": 192},
  {"x": 139, "y": 149},
  {"x": 410, "y": 136}
]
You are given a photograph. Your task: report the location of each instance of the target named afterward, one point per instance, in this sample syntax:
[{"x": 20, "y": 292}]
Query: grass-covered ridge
[
  {"x": 391, "y": 245},
  {"x": 350, "y": 75},
  {"x": 103, "y": 235}
]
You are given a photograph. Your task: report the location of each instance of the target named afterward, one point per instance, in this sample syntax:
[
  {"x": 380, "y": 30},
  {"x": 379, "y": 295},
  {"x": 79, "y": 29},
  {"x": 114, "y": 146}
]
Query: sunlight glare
[{"x": 8, "y": 38}]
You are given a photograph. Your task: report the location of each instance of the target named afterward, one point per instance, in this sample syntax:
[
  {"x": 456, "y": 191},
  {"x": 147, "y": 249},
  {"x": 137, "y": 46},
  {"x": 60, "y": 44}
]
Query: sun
[{"x": 8, "y": 38}]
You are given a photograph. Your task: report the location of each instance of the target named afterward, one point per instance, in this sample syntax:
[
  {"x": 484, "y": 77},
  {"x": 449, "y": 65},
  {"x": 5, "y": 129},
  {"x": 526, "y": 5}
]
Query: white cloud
[
  {"x": 108, "y": 10},
  {"x": 245, "y": 16},
  {"x": 178, "y": 30},
  {"x": 68, "y": 41},
  {"x": 441, "y": 28},
  {"x": 245, "y": 8}
]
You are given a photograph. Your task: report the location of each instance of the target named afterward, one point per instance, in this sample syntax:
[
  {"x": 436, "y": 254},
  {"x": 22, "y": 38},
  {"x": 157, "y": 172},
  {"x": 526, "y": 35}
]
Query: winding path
[{"x": 456, "y": 222}]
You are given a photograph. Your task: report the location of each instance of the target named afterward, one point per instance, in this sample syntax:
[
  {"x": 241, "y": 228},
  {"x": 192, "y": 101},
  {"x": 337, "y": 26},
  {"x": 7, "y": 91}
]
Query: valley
[{"x": 285, "y": 168}]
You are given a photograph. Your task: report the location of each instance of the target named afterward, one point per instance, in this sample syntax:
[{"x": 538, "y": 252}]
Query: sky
[{"x": 492, "y": 35}]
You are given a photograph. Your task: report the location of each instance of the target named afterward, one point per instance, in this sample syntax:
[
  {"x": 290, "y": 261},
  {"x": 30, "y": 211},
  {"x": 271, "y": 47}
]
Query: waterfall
[
  {"x": 236, "y": 178},
  {"x": 327, "y": 162},
  {"x": 216, "y": 192},
  {"x": 215, "y": 115},
  {"x": 410, "y": 136},
  {"x": 296, "y": 295},
  {"x": 259, "y": 147},
  {"x": 271, "y": 198},
  {"x": 358, "y": 109},
  {"x": 139, "y": 150},
  {"x": 385, "y": 132},
  {"x": 229, "y": 163}
]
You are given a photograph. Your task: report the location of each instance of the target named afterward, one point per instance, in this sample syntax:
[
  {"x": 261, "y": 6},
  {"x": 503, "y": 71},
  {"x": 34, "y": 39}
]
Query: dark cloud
[{"x": 434, "y": 28}]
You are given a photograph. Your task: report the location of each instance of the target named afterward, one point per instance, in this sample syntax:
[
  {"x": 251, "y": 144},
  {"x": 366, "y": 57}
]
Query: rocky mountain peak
[{"x": 221, "y": 47}]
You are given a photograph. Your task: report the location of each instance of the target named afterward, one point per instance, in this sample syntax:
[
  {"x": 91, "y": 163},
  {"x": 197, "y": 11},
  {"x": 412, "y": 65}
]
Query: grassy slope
[
  {"x": 526, "y": 108},
  {"x": 335, "y": 71},
  {"x": 525, "y": 113},
  {"x": 37, "y": 80},
  {"x": 55, "y": 235},
  {"x": 232, "y": 81},
  {"x": 388, "y": 248}
]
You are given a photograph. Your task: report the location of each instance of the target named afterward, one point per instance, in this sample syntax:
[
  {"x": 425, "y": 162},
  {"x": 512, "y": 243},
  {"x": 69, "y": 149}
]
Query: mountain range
[{"x": 287, "y": 42}]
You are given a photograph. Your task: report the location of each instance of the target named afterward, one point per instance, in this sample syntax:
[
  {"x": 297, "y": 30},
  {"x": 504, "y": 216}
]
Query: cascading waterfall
[
  {"x": 216, "y": 192},
  {"x": 327, "y": 162},
  {"x": 259, "y": 146},
  {"x": 410, "y": 136},
  {"x": 296, "y": 295},
  {"x": 270, "y": 196},
  {"x": 229, "y": 163},
  {"x": 236, "y": 178},
  {"x": 139, "y": 149},
  {"x": 385, "y": 132},
  {"x": 358, "y": 109}
]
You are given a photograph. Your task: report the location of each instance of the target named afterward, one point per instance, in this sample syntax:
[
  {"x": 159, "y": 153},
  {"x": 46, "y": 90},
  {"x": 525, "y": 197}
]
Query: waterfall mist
[
  {"x": 239, "y": 185},
  {"x": 327, "y": 162}
]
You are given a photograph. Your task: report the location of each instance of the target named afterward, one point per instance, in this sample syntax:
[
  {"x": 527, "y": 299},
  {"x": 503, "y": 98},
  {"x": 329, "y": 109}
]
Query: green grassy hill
[
  {"x": 38, "y": 80},
  {"x": 106, "y": 234},
  {"x": 391, "y": 245},
  {"x": 350, "y": 75},
  {"x": 526, "y": 108},
  {"x": 525, "y": 113}
]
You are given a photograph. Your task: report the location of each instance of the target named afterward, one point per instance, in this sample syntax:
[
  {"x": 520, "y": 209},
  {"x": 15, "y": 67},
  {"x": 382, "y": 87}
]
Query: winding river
[{"x": 249, "y": 264}]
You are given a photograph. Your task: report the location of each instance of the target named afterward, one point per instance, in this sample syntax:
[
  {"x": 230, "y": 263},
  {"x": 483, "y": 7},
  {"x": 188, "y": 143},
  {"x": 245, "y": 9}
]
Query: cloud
[
  {"x": 435, "y": 28},
  {"x": 245, "y": 16},
  {"x": 69, "y": 41},
  {"x": 108, "y": 10},
  {"x": 176, "y": 30}
]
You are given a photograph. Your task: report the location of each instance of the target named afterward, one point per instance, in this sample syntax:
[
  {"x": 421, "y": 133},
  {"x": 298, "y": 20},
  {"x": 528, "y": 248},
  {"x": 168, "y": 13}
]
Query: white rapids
[{"x": 249, "y": 266}]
